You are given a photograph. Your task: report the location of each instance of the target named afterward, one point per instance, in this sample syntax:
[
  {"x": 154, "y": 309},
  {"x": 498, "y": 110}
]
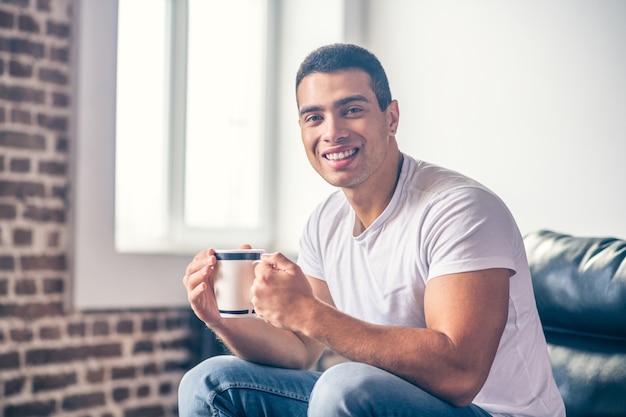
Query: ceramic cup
[{"x": 234, "y": 274}]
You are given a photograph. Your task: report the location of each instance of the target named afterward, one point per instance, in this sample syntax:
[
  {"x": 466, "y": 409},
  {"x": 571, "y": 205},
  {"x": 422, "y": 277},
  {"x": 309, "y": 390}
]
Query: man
[{"x": 415, "y": 273}]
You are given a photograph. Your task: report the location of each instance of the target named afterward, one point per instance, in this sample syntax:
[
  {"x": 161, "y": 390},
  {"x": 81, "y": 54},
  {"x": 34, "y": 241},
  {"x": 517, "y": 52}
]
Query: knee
[
  {"x": 344, "y": 390},
  {"x": 202, "y": 381}
]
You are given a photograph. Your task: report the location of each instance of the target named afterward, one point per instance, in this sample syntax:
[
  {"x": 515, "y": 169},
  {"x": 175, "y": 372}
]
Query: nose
[{"x": 335, "y": 130}]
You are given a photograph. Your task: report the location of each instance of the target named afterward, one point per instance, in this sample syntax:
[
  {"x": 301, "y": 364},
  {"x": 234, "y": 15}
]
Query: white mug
[{"x": 234, "y": 274}]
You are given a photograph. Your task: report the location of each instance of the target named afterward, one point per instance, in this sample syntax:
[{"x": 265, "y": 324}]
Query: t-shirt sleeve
[
  {"x": 309, "y": 254},
  {"x": 468, "y": 229}
]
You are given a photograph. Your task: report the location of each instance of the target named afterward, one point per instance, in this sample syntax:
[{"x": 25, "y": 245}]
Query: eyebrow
[{"x": 338, "y": 103}]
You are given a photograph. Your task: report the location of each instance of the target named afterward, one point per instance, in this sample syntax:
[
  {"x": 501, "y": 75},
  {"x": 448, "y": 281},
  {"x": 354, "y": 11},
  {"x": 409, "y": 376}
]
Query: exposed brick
[
  {"x": 125, "y": 326},
  {"x": 54, "y": 239},
  {"x": 19, "y": 69},
  {"x": 7, "y": 263},
  {"x": 150, "y": 369},
  {"x": 123, "y": 373},
  {"x": 95, "y": 375},
  {"x": 22, "y": 94},
  {"x": 14, "y": 386},
  {"x": 53, "y": 286},
  {"x": 21, "y": 165},
  {"x": 81, "y": 401},
  {"x": 8, "y": 211},
  {"x": 32, "y": 408},
  {"x": 176, "y": 344},
  {"x": 60, "y": 100},
  {"x": 149, "y": 411},
  {"x": 62, "y": 145},
  {"x": 50, "y": 333},
  {"x": 60, "y": 192},
  {"x": 9, "y": 360},
  {"x": 43, "y": 262},
  {"x": 121, "y": 394},
  {"x": 53, "y": 76},
  {"x": 31, "y": 310},
  {"x": 176, "y": 366},
  {"x": 22, "y": 140},
  {"x": 22, "y": 237},
  {"x": 53, "y": 382},
  {"x": 59, "y": 54},
  {"x": 43, "y": 5},
  {"x": 6, "y": 19},
  {"x": 143, "y": 391},
  {"x": 100, "y": 328},
  {"x": 165, "y": 388},
  {"x": 52, "y": 122},
  {"x": 25, "y": 287},
  {"x": 173, "y": 323},
  {"x": 149, "y": 325},
  {"x": 20, "y": 3},
  {"x": 60, "y": 30},
  {"x": 21, "y": 116},
  {"x": 21, "y": 189},
  {"x": 26, "y": 23},
  {"x": 76, "y": 329},
  {"x": 21, "y": 335},
  {"x": 143, "y": 346},
  {"x": 52, "y": 168},
  {"x": 22, "y": 46},
  {"x": 73, "y": 353}
]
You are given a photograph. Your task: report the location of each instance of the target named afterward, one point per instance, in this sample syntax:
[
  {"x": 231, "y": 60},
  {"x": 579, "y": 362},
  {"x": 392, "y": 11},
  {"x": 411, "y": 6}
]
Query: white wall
[
  {"x": 104, "y": 278},
  {"x": 528, "y": 97}
]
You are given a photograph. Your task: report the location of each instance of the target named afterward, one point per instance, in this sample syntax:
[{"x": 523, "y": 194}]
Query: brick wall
[{"x": 55, "y": 361}]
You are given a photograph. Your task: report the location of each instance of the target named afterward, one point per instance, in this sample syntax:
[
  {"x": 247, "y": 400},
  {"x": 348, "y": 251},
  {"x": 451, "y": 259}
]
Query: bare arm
[
  {"x": 250, "y": 338},
  {"x": 451, "y": 357}
]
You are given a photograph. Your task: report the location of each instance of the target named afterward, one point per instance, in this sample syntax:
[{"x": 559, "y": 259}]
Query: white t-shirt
[{"x": 438, "y": 222}]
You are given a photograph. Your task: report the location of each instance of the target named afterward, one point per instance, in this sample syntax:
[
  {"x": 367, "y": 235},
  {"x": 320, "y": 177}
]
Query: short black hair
[{"x": 341, "y": 56}]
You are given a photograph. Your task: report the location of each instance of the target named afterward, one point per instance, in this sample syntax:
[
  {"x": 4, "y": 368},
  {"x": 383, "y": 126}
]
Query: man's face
[{"x": 344, "y": 132}]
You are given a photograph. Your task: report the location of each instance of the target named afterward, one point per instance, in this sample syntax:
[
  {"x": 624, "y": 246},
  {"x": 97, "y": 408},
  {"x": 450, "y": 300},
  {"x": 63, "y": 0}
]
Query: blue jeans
[{"x": 224, "y": 386}]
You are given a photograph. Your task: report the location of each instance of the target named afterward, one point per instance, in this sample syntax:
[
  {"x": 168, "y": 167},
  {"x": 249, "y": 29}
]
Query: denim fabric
[{"x": 227, "y": 386}]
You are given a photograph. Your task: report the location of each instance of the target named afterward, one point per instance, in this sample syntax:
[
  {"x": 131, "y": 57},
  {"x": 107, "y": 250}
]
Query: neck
[{"x": 371, "y": 200}]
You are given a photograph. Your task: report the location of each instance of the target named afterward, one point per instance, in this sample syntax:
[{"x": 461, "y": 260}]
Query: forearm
[
  {"x": 424, "y": 357},
  {"x": 257, "y": 341}
]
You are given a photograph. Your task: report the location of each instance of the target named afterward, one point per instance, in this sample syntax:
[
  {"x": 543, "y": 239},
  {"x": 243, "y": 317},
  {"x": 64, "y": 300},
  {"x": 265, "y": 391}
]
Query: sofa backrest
[{"x": 580, "y": 288}]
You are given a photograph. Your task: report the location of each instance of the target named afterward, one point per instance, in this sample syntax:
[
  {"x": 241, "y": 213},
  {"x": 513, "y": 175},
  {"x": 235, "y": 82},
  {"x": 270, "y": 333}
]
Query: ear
[{"x": 393, "y": 115}]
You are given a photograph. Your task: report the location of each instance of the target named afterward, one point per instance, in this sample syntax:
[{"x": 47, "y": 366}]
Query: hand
[
  {"x": 199, "y": 282},
  {"x": 280, "y": 291}
]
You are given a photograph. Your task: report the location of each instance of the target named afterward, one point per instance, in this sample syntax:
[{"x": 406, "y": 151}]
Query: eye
[
  {"x": 312, "y": 118},
  {"x": 353, "y": 111}
]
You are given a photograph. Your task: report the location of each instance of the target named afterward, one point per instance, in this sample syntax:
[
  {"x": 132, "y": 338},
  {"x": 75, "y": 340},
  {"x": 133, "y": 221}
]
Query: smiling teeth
[{"x": 340, "y": 155}]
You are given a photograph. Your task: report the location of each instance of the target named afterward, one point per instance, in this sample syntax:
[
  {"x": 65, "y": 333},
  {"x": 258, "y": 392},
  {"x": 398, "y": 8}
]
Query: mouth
[{"x": 339, "y": 156}]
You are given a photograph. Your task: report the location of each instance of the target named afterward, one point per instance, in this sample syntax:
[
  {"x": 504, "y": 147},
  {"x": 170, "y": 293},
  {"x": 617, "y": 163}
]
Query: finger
[
  {"x": 203, "y": 254},
  {"x": 197, "y": 292},
  {"x": 195, "y": 278},
  {"x": 200, "y": 262},
  {"x": 277, "y": 260},
  {"x": 245, "y": 246}
]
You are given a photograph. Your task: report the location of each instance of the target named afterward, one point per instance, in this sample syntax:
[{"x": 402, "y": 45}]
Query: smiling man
[{"x": 415, "y": 273}]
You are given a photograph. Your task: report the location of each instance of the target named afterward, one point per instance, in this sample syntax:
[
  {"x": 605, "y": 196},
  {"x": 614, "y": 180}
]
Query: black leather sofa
[{"x": 580, "y": 287}]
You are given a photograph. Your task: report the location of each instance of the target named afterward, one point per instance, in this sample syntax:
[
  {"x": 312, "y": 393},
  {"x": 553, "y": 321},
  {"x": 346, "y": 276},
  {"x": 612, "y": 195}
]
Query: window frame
[{"x": 177, "y": 236}]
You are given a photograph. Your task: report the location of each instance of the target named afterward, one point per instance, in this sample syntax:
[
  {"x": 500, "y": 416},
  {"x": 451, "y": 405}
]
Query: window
[
  {"x": 106, "y": 277},
  {"x": 191, "y": 131}
]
